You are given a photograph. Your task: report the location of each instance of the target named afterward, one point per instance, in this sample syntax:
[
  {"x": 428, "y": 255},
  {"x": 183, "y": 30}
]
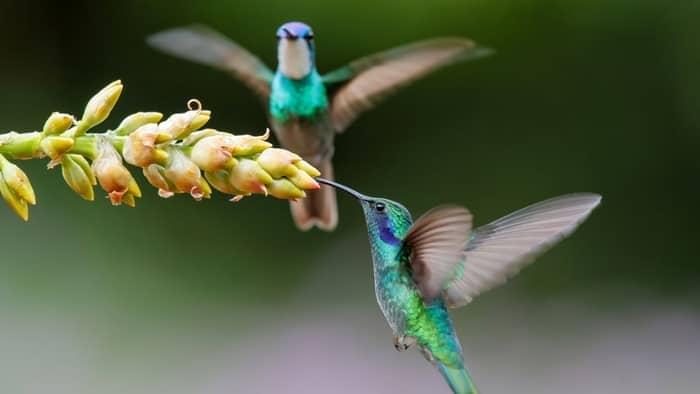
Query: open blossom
[
  {"x": 140, "y": 146},
  {"x": 112, "y": 176},
  {"x": 185, "y": 175},
  {"x": 214, "y": 153}
]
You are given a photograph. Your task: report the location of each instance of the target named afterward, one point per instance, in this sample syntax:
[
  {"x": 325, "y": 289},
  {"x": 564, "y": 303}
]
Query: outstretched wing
[
  {"x": 203, "y": 45},
  {"x": 372, "y": 78},
  {"x": 435, "y": 246},
  {"x": 500, "y": 249}
]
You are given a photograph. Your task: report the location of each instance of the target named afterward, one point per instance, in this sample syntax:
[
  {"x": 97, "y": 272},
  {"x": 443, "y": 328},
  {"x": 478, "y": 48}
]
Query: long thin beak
[{"x": 344, "y": 188}]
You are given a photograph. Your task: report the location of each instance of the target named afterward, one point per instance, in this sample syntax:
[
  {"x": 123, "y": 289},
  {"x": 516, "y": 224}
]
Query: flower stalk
[{"x": 175, "y": 155}]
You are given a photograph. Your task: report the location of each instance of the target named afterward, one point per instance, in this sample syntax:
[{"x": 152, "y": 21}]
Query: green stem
[
  {"x": 21, "y": 146},
  {"x": 86, "y": 145}
]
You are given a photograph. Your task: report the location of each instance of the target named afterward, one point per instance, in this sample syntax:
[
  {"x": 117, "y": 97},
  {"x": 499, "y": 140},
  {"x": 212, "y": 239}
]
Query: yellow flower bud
[
  {"x": 18, "y": 181},
  {"x": 129, "y": 200},
  {"x": 279, "y": 162},
  {"x": 213, "y": 153},
  {"x": 57, "y": 123},
  {"x": 220, "y": 181},
  {"x": 282, "y": 188},
  {"x": 246, "y": 145},
  {"x": 55, "y": 146},
  {"x": 304, "y": 181},
  {"x": 78, "y": 175},
  {"x": 111, "y": 174},
  {"x": 184, "y": 174},
  {"x": 139, "y": 148},
  {"x": 133, "y": 122},
  {"x": 249, "y": 177},
  {"x": 199, "y": 135},
  {"x": 179, "y": 126},
  {"x": 308, "y": 168},
  {"x": 17, "y": 203},
  {"x": 100, "y": 106},
  {"x": 155, "y": 174}
]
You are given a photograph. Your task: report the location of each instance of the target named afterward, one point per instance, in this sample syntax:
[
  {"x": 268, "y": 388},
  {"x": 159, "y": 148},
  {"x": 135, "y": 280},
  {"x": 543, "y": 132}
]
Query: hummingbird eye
[
  {"x": 379, "y": 207},
  {"x": 309, "y": 37}
]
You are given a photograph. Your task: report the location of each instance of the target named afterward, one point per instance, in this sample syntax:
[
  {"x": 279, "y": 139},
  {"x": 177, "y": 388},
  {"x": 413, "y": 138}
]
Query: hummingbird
[
  {"x": 306, "y": 109},
  {"x": 423, "y": 268}
]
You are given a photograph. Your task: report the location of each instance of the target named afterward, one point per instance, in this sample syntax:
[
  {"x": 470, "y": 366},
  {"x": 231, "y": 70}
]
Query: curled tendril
[{"x": 194, "y": 105}]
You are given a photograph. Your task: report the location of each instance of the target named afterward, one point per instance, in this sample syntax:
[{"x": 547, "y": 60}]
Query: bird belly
[
  {"x": 393, "y": 295},
  {"x": 312, "y": 139}
]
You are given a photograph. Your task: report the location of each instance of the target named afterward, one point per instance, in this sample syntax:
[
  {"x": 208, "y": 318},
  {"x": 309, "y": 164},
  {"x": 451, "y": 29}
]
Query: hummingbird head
[
  {"x": 295, "y": 50},
  {"x": 387, "y": 220}
]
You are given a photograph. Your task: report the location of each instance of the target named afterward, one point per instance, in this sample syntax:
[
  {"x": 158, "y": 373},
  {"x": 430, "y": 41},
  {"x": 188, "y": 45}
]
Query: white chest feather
[{"x": 294, "y": 58}]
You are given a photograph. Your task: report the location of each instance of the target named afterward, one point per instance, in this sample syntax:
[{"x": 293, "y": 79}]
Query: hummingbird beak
[{"x": 344, "y": 188}]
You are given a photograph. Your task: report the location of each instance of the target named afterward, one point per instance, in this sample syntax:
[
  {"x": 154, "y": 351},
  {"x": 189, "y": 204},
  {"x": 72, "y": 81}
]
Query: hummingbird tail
[
  {"x": 319, "y": 208},
  {"x": 459, "y": 380}
]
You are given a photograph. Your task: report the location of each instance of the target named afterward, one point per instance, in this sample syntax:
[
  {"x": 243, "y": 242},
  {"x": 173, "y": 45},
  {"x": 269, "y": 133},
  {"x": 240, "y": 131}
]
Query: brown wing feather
[
  {"x": 376, "y": 76},
  {"x": 206, "y": 46},
  {"x": 437, "y": 241}
]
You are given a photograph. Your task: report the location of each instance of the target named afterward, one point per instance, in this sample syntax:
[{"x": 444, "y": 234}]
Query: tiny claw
[
  {"x": 265, "y": 136},
  {"x": 237, "y": 198}
]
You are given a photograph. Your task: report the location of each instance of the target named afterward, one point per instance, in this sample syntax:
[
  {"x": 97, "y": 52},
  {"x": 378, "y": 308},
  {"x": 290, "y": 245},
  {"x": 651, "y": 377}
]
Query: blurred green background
[{"x": 181, "y": 297}]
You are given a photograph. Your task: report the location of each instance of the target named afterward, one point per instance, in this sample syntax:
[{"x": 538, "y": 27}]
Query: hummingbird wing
[
  {"x": 203, "y": 45},
  {"x": 435, "y": 245},
  {"x": 501, "y": 248},
  {"x": 374, "y": 77}
]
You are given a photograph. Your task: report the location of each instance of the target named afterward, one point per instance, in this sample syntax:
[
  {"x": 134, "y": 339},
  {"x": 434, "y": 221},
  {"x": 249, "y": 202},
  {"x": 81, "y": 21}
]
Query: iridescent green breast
[{"x": 304, "y": 98}]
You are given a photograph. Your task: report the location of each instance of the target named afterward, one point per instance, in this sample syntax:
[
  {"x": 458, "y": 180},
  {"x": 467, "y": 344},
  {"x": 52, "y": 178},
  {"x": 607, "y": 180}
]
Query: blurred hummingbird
[
  {"x": 422, "y": 268},
  {"x": 307, "y": 109}
]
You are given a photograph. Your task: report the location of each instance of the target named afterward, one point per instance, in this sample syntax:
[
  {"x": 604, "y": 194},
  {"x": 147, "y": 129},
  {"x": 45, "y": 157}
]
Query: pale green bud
[
  {"x": 246, "y": 145},
  {"x": 133, "y": 122},
  {"x": 198, "y": 135},
  {"x": 304, "y": 181},
  {"x": 100, "y": 106},
  {"x": 18, "y": 181},
  {"x": 249, "y": 177},
  {"x": 129, "y": 200},
  {"x": 17, "y": 203},
  {"x": 179, "y": 126},
  {"x": 56, "y": 146},
  {"x": 78, "y": 175},
  {"x": 220, "y": 181},
  {"x": 279, "y": 162},
  {"x": 57, "y": 123},
  {"x": 213, "y": 153},
  {"x": 283, "y": 188},
  {"x": 307, "y": 168}
]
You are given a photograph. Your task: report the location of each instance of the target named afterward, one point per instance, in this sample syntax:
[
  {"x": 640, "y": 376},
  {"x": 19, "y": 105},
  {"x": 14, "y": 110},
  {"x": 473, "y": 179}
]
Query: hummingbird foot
[{"x": 403, "y": 342}]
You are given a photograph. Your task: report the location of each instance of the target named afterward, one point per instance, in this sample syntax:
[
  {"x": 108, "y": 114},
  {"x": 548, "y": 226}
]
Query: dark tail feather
[{"x": 319, "y": 208}]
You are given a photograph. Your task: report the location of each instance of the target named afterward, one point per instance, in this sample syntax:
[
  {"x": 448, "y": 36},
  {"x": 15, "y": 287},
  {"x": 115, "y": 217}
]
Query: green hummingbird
[
  {"x": 306, "y": 109},
  {"x": 422, "y": 268}
]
